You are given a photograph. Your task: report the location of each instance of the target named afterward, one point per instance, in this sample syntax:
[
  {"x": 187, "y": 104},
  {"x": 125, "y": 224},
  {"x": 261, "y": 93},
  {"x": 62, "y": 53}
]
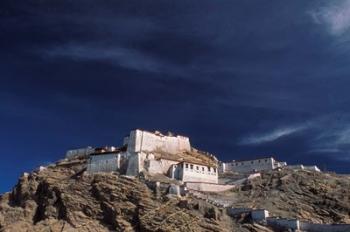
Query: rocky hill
[
  {"x": 312, "y": 196},
  {"x": 62, "y": 197}
]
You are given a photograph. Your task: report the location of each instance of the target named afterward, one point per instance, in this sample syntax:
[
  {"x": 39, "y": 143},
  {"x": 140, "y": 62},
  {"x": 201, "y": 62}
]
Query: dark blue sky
[{"x": 241, "y": 78}]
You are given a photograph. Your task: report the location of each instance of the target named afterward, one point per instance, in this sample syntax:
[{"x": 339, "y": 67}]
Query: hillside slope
[
  {"x": 63, "y": 197},
  {"x": 312, "y": 196}
]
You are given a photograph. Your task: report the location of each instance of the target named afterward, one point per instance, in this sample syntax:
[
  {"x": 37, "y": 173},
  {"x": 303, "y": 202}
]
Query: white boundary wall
[
  {"x": 312, "y": 168},
  {"x": 302, "y": 167},
  {"x": 251, "y": 165},
  {"x": 207, "y": 187}
]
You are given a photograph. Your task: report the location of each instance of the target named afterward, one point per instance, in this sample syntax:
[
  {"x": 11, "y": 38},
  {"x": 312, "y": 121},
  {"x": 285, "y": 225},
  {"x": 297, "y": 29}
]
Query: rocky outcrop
[
  {"x": 61, "y": 198},
  {"x": 310, "y": 196}
]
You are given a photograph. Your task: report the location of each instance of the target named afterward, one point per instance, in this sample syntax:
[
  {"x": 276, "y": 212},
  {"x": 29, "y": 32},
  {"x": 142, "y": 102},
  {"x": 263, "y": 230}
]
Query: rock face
[
  {"x": 63, "y": 197},
  {"x": 311, "y": 196}
]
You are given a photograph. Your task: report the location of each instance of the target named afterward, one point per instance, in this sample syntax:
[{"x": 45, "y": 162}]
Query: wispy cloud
[
  {"x": 332, "y": 138},
  {"x": 272, "y": 135},
  {"x": 124, "y": 57},
  {"x": 335, "y": 16}
]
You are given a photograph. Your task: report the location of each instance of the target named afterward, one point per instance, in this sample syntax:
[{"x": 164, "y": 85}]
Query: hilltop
[{"x": 63, "y": 197}]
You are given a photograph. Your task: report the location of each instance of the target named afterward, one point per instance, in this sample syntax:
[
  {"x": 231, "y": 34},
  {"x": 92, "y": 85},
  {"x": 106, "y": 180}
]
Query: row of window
[
  {"x": 191, "y": 166},
  {"x": 252, "y": 162},
  {"x": 203, "y": 172}
]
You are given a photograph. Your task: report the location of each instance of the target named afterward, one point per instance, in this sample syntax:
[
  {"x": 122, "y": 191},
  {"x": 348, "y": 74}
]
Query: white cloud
[
  {"x": 334, "y": 140},
  {"x": 119, "y": 56},
  {"x": 124, "y": 57},
  {"x": 324, "y": 150},
  {"x": 344, "y": 136},
  {"x": 272, "y": 135},
  {"x": 335, "y": 16}
]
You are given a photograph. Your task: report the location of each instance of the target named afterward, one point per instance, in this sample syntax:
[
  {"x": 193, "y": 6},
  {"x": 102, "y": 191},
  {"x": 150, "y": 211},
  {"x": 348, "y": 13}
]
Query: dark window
[
  {"x": 266, "y": 161},
  {"x": 214, "y": 169},
  {"x": 203, "y": 169},
  {"x": 197, "y": 167},
  {"x": 259, "y": 161},
  {"x": 208, "y": 169},
  {"x": 191, "y": 166},
  {"x": 186, "y": 165},
  {"x": 252, "y": 162}
]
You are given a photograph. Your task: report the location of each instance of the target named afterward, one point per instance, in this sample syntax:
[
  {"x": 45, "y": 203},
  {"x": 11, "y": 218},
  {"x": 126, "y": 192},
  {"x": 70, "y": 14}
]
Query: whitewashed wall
[
  {"x": 199, "y": 173},
  {"x": 133, "y": 164},
  {"x": 312, "y": 168},
  {"x": 143, "y": 141},
  {"x": 302, "y": 167},
  {"x": 161, "y": 166},
  {"x": 104, "y": 163},
  {"x": 250, "y": 165}
]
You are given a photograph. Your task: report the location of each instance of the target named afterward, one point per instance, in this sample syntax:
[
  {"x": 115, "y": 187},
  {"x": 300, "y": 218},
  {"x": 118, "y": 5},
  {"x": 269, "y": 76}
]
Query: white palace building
[
  {"x": 154, "y": 153},
  {"x": 169, "y": 155}
]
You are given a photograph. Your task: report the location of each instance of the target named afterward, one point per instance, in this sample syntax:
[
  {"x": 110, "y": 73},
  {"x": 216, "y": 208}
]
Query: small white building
[
  {"x": 248, "y": 166},
  {"x": 190, "y": 172}
]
